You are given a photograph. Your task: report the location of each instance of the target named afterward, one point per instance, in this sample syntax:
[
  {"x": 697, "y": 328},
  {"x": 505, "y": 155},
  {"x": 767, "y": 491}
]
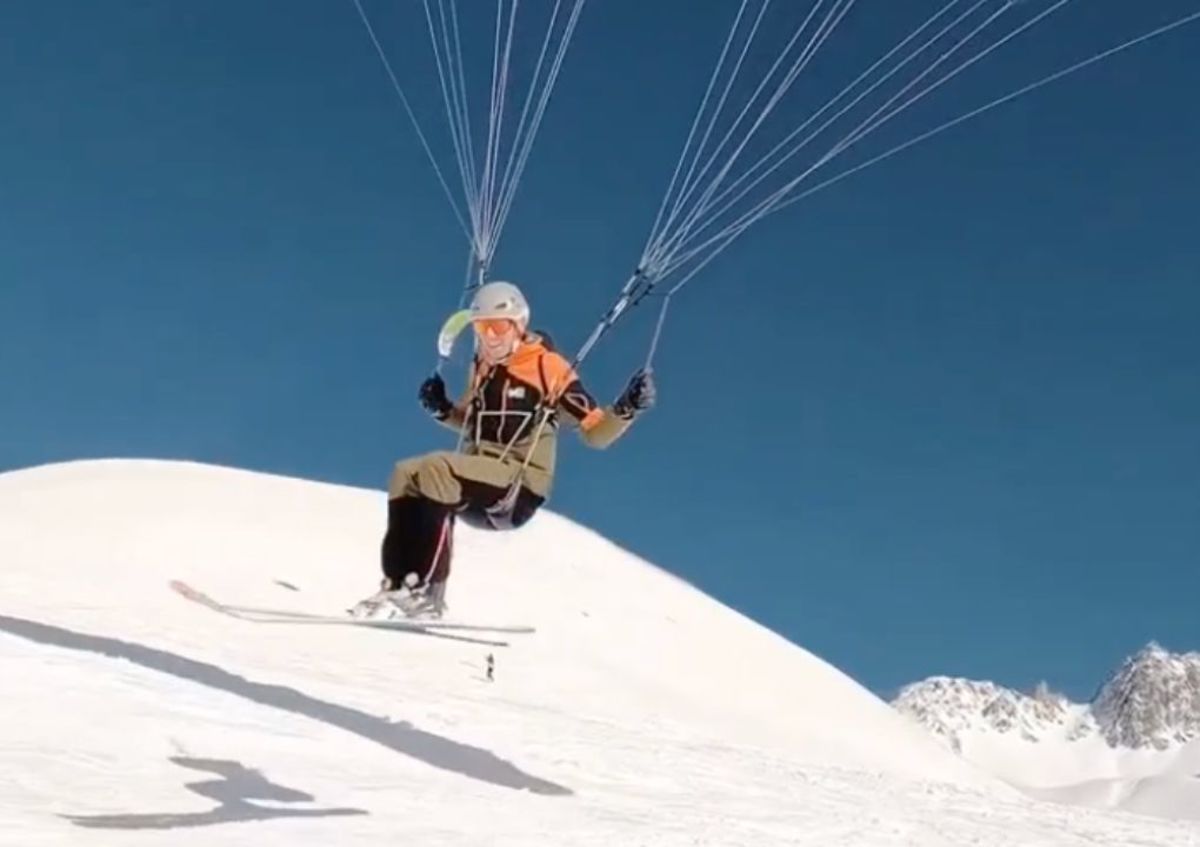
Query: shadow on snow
[
  {"x": 402, "y": 737},
  {"x": 233, "y": 791}
]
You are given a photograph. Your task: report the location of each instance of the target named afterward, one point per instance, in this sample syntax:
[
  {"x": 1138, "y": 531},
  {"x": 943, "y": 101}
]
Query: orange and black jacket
[{"x": 502, "y": 412}]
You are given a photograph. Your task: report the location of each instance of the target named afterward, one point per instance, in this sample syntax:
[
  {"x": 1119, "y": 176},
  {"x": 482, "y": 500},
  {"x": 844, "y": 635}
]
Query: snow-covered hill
[
  {"x": 640, "y": 712},
  {"x": 1135, "y": 746}
]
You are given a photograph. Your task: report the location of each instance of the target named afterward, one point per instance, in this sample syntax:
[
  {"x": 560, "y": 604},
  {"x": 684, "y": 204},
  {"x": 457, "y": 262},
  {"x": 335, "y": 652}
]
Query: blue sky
[{"x": 942, "y": 418}]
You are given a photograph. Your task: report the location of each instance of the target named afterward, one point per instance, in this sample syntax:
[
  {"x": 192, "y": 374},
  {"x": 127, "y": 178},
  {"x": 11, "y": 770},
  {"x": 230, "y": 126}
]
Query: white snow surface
[{"x": 641, "y": 712}]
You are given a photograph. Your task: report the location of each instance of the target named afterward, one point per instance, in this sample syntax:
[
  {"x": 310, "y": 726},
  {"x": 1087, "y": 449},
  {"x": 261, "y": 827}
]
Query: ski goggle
[{"x": 494, "y": 326}]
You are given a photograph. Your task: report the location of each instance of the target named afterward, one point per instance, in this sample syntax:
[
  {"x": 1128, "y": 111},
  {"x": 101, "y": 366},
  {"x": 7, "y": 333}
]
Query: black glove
[
  {"x": 433, "y": 397},
  {"x": 639, "y": 395}
]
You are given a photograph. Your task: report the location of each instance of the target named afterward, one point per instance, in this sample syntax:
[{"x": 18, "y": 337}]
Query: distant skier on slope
[{"x": 517, "y": 389}]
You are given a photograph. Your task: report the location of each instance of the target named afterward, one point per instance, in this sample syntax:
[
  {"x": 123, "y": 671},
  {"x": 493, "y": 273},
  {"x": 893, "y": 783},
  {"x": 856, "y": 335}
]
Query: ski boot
[
  {"x": 410, "y": 600},
  {"x": 421, "y": 602}
]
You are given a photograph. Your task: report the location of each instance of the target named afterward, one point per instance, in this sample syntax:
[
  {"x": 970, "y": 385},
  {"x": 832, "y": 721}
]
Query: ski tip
[{"x": 182, "y": 588}]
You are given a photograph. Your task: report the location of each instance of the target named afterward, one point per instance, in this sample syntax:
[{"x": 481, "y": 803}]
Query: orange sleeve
[
  {"x": 570, "y": 395},
  {"x": 558, "y": 374}
]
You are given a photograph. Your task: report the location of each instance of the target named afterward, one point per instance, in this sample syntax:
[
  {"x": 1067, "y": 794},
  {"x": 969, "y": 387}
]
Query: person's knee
[
  {"x": 435, "y": 478},
  {"x": 398, "y": 481},
  {"x": 406, "y": 475}
]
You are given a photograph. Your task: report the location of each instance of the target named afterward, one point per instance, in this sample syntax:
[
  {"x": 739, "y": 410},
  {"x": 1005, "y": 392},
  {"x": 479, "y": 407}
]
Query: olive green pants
[{"x": 440, "y": 476}]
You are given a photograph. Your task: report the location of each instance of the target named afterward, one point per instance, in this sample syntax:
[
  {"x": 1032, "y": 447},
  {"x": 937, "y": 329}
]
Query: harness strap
[{"x": 544, "y": 412}]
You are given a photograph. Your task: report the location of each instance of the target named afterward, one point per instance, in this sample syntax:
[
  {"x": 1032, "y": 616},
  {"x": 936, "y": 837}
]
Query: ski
[{"x": 438, "y": 628}]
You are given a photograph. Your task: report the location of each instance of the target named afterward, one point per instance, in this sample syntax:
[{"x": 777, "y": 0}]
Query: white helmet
[{"x": 500, "y": 300}]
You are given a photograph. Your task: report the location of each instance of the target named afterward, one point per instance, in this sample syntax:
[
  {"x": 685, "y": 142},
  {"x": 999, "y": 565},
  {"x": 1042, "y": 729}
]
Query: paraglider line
[
  {"x": 1008, "y": 98},
  {"x": 688, "y": 185},
  {"x": 822, "y": 34},
  {"x": 544, "y": 100},
  {"x": 692, "y": 132},
  {"x": 448, "y": 59},
  {"x": 411, "y": 116},
  {"x": 686, "y": 234},
  {"x": 776, "y": 200}
]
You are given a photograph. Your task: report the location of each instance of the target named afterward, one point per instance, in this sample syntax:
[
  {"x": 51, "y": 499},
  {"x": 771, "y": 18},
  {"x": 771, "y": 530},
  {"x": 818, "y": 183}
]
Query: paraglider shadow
[
  {"x": 237, "y": 786},
  {"x": 401, "y": 736}
]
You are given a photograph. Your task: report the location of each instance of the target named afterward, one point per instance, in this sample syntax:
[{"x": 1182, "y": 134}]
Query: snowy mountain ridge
[
  {"x": 951, "y": 708},
  {"x": 1151, "y": 702},
  {"x": 1134, "y": 746}
]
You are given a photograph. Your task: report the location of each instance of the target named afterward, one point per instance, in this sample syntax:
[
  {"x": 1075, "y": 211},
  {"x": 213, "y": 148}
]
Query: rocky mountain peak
[{"x": 1153, "y": 700}]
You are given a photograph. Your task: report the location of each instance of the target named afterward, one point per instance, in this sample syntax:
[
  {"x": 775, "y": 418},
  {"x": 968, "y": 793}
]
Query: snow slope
[
  {"x": 641, "y": 711},
  {"x": 1136, "y": 746}
]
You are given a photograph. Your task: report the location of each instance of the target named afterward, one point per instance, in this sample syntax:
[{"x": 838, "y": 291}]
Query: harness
[{"x": 500, "y": 515}]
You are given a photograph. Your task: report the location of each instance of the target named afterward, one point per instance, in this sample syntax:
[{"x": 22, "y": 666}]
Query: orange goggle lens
[{"x": 493, "y": 326}]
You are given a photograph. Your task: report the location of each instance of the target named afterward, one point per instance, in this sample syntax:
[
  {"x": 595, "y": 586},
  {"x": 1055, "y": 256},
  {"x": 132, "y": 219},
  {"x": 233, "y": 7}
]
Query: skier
[{"x": 518, "y": 388}]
